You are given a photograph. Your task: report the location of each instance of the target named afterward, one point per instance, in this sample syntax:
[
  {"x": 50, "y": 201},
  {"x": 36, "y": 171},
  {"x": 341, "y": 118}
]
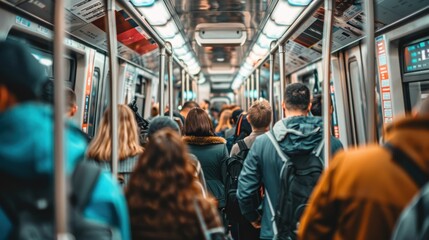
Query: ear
[
  {"x": 73, "y": 110},
  {"x": 309, "y": 107},
  {"x": 6, "y": 98}
]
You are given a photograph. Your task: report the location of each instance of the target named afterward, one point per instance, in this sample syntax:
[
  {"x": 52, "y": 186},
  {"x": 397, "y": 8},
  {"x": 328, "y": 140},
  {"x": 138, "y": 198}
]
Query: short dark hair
[
  {"x": 207, "y": 102},
  {"x": 190, "y": 104},
  {"x": 198, "y": 123},
  {"x": 259, "y": 114},
  {"x": 316, "y": 105},
  {"x": 162, "y": 122},
  {"x": 297, "y": 97}
]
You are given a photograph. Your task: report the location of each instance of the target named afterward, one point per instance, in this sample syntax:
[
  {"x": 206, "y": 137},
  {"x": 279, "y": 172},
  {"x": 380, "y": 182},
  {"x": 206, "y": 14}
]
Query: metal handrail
[
  {"x": 282, "y": 63},
  {"x": 113, "y": 61},
  {"x": 162, "y": 54},
  {"x": 170, "y": 80},
  {"x": 369, "y": 28},
  {"x": 130, "y": 10},
  {"x": 271, "y": 83},
  {"x": 326, "y": 63},
  {"x": 61, "y": 230}
]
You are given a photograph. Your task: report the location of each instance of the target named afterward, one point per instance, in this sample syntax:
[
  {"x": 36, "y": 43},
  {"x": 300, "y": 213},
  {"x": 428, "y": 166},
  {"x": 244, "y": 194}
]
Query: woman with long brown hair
[
  {"x": 163, "y": 196},
  {"x": 100, "y": 148},
  {"x": 224, "y": 122},
  {"x": 209, "y": 149}
]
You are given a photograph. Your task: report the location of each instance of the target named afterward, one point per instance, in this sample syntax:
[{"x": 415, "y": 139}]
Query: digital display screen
[{"x": 416, "y": 56}]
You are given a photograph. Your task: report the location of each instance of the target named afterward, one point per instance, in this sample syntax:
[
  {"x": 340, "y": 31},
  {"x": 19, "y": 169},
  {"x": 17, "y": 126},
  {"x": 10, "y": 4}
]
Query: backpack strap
[
  {"x": 273, "y": 214},
  {"x": 84, "y": 178},
  {"x": 277, "y": 146},
  {"x": 242, "y": 145},
  {"x": 407, "y": 164}
]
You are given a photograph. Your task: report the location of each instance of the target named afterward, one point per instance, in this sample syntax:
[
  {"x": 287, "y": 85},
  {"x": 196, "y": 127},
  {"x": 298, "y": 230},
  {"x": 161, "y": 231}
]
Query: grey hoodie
[{"x": 295, "y": 135}]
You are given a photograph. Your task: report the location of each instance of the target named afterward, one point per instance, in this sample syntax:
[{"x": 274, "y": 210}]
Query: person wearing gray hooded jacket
[{"x": 262, "y": 165}]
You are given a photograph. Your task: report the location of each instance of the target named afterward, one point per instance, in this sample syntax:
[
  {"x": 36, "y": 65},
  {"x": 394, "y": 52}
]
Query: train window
[
  {"x": 141, "y": 87},
  {"x": 93, "y": 101},
  {"x": 46, "y": 57},
  {"x": 358, "y": 98},
  {"x": 417, "y": 91}
]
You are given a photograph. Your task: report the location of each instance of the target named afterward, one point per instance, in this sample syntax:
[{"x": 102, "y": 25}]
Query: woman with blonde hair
[
  {"x": 164, "y": 200},
  {"x": 224, "y": 122},
  {"x": 100, "y": 148}
]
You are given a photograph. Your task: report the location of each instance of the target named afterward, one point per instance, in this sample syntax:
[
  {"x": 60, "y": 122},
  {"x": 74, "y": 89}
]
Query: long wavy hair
[
  {"x": 100, "y": 148},
  {"x": 224, "y": 121},
  {"x": 162, "y": 191}
]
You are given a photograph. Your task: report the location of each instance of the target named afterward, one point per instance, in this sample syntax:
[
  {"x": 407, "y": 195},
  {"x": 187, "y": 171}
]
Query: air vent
[{"x": 220, "y": 33}]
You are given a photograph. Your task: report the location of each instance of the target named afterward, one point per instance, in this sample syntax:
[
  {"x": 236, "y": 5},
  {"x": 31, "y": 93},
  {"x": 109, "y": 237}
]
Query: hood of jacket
[
  {"x": 27, "y": 141},
  {"x": 297, "y": 135},
  {"x": 207, "y": 140},
  {"x": 412, "y": 136}
]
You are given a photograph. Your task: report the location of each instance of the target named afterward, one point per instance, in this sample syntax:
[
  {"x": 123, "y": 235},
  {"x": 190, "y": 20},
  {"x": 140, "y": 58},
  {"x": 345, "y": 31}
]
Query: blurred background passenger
[
  {"x": 214, "y": 116},
  {"x": 187, "y": 106},
  {"x": 154, "y": 112},
  {"x": 209, "y": 149},
  {"x": 164, "y": 122},
  {"x": 162, "y": 193},
  {"x": 316, "y": 110},
  {"x": 234, "y": 118},
  {"x": 129, "y": 149},
  {"x": 224, "y": 123}
]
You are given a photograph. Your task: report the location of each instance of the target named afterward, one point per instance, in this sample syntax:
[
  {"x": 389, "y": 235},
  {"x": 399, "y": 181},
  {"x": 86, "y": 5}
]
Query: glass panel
[
  {"x": 417, "y": 91},
  {"x": 93, "y": 101},
  {"x": 358, "y": 99}
]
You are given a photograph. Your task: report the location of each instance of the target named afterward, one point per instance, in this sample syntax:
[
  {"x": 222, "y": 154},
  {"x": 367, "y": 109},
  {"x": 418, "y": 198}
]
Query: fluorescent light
[
  {"x": 186, "y": 57},
  {"x": 285, "y": 14},
  {"x": 259, "y": 50},
  {"x": 142, "y": 3},
  {"x": 299, "y": 2},
  {"x": 246, "y": 65},
  {"x": 250, "y": 60},
  {"x": 220, "y": 59},
  {"x": 177, "y": 41},
  {"x": 157, "y": 14},
  {"x": 168, "y": 30},
  {"x": 264, "y": 41},
  {"x": 255, "y": 57},
  {"x": 194, "y": 70},
  {"x": 272, "y": 30},
  {"x": 181, "y": 50}
]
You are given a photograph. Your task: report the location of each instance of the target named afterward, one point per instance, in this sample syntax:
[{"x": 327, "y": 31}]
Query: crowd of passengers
[{"x": 173, "y": 185}]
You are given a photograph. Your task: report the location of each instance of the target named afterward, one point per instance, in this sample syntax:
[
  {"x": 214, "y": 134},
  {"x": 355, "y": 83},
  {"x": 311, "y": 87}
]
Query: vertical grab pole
[
  {"x": 183, "y": 84},
  {"x": 370, "y": 70},
  {"x": 326, "y": 56},
  {"x": 282, "y": 76},
  {"x": 257, "y": 76},
  {"x": 271, "y": 82},
  {"x": 113, "y": 60},
  {"x": 61, "y": 230},
  {"x": 252, "y": 86},
  {"x": 170, "y": 79},
  {"x": 187, "y": 86},
  {"x": 248, "y": 93},
  {"x": 161, "y": 80}
]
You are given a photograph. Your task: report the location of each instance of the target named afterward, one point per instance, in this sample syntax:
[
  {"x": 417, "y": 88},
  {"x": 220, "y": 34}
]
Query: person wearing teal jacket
[{"x": 27, "y": 144}]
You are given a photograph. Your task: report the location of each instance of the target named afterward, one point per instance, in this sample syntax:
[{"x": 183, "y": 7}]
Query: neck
[{"x": 295, "y": 113}]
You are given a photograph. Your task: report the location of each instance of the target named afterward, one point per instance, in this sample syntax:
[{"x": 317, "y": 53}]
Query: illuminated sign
[{"x": 416, "y": 56}]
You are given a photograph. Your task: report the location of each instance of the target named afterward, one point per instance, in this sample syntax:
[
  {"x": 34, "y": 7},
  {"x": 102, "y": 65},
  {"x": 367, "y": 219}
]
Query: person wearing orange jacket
[{"x": 363, "y": 192}]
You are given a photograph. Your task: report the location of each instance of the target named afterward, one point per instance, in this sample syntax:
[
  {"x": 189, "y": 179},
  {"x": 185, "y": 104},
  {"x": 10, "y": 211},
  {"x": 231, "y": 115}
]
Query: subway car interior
[{"x": 166, "y": 52}]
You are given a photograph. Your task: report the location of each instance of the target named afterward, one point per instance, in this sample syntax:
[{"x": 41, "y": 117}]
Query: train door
[
  {"x": 356, "y": 87},
  {"x": 93, "y": 96},
  {"x": 142, "y": 92}
]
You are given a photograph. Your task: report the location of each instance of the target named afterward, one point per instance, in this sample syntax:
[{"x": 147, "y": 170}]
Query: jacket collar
[{"x": 207, "y": 140}]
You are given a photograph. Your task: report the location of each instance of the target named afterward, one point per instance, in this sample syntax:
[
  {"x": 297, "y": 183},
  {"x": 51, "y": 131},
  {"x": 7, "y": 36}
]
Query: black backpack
[
  {"x": 298, "y": 177},
  {"x": 234, "y": 164},
  {"x": 30, "y": 206}
]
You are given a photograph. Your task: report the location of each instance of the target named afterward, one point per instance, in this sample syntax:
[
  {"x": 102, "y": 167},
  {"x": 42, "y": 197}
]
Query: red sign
[{"x": 383, "y": 71}]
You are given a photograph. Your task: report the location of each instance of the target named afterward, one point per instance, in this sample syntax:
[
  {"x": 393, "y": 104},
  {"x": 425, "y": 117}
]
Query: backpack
[
  {"x": 234, "y": 164},
  {"x": 298, "y": 177},
  {"x": 30, "y": 206},
  {"x": 414, "y": 223}
]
